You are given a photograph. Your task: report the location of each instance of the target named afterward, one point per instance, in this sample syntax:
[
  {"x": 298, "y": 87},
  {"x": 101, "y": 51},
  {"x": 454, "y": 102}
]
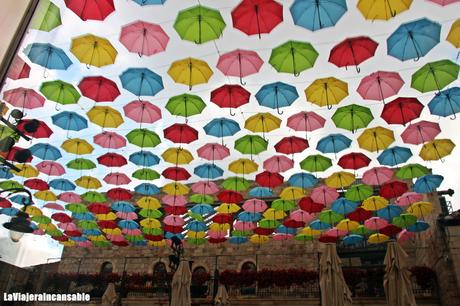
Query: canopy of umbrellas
[{"x": 250, "y": 202}]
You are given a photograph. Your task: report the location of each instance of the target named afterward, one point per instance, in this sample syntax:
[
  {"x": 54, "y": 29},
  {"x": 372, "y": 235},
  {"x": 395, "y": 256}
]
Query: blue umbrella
[
  {"x": 141, "y": 81},
  {"x": 78, "y": 238},
  {"x": 418, "y": 226},
  {"x": 147, "y": 189},
  {"x": 427, "y": 183},
  {"x": 45, "y": 151},
  {"x": 70, "y": 121},
  {"x": 48, "y": 56},
  {"x": 343, "y": 206},
  {"x": 62, "y": 184},
  {"x": 123, "y": 206},
  {"x": 169, "y": 235},
  {"x": 260, "y": 192},
  {"x": 286, "y": 230},
  {"x": 128, "y": 224},
  {"x": 149, "y": 2},
  {"x": 277, "y": 95},
  {"x": 333, "y": 143},
  {"x": 196, "y": 226},
  {"x": 446, "y": 103},
  {"x": 144, "y": 159},
  {"x": 5, "y": 173},
  {"x": 303, "y": 180},
  {"x": 249, "y": 217},
  {"x": 318, "y": 225},
  {"x": 202, "y": 209},
  {"x": 238, "y": 240},
  {"x": 209, "y": 171},
  {"x": 221, "y": 127},
  {"x": 389, "y": 212},
  {"x": 394, "y": 156},
  {"x": 139, "y": 243},
  {"x": 317, "y": 14},
  {"x": 352, "y": 239},
  {"x": 413, "y": 40},
  {"x": 21, "y": 199},
  {"x": 10, "y": 211},
  {"x": 83, "y": 216},
  {"x": 92, "y": 232}
]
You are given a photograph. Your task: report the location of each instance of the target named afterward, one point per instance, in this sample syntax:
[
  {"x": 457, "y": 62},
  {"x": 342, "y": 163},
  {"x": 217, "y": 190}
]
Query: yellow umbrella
[
  {"x": 33, "y": 211},
  {"x": 310, "y": 232},
  {"x": 347, "y": 225},
  {"x": 273, "y": 214},
  {"x": 243, "y": 166},
  {"x": 88, "y": 182},
  {"x": 45, "y": 195},
  {"x": 382, "y": 9},
  {"x": 196, "y": 235},
  {"x": 177, "y": 156},
  {"x": 105, "y": 116},
  {"x": 219, "y": 227},
  {"x": 112, "y": 231},
  {"x": 106, "y": 217},
  {"x": 93, "y": 51},
  {"x": 326, "y": 92},
  {"x": 47, "y": 227},
  {"x": 374, "y": 203},
  {"x": 420, "y": 209},
  {"x": 26, "y": 171},
  {"x": 340, "y": 179},
  {"x": 228, "y": 208},
  {"x": 292, "y": 193},
  {"x": 436, "y": 149},
  {"x": 262, "y": 123},
  {"x": 454, "y": 34},
  {"x": 377, "y": 238},
  {"x": 376, "y": 139},
  {"x": 77, "y": 146},
  {"x": 259, "y": 239},
  {"x": 160, "y": 243},
  {"x": 190, "y": 71},
  {"x": 175, "y": 188},
  {"x": 148, "y": 203},
  {"x": 68, "y": 243},
  {"x": 97, "y": 238},
  {"x": 150, "y": 223}
]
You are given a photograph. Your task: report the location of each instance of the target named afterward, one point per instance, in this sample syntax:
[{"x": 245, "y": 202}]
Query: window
[
  {"x": 248, "y": 266},
  {"x": 106, "y": 268}
]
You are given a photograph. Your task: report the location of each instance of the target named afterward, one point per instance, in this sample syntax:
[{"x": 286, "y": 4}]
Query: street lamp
[{"x": 19, "y": 224}]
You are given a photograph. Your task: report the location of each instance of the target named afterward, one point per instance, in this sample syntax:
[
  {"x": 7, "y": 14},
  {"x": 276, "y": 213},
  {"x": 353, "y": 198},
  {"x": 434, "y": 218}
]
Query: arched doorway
[
  {"x": 249, "y": 266},
  {"x": 160, "y": 277}
]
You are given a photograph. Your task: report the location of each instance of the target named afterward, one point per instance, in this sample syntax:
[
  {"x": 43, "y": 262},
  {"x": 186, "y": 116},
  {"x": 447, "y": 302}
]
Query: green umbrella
[
  {"x": 329, "y": 216},
  {"x": 134, "y": 238},
  {"x": 150, "y": 213},
  {"x": 352, "y": 117},
  {"x": 195, "y": 216},
  {"x": 146, "y": 174},
  {"x": 316, "y": 163},
  {"x": 237, "y": 233},
  {"x": 283, "y": 205},
  {"x": 54, "y": 232},
  {"x": 196, "y": 241},
  {"x": 102, "y": 243},
  {"x": 404, "y": 220},
  {"x": 251, "y": 144},
  {"x": 411, "y": 171},
  {"x": 435, "y": 76},
  {"x": 293, "y": 57},
  {"x": 303, "y": 237},
  {"x": 185, "y": 105},
  {"x": 94, "y": 197},
  {"x": 47, "y": 16},
  {"x": 6, "y": 131},
  {"x": 265, "y": 223},
  {"x": 81, "y": 164},
  {"x": 76, "y": 208},
  {"x": 143, "y": 138},
  {"x": 8, "y": 184},
  {"x": 88, "y": 224},
  {"x": 359, "y": 192},
  {"x": 199, "y": 24},
  {"x": 152, "y": 231},
  {"x": 41, "y": 219},
  {"x": 361, "y": 230},
  {"x": 201, "y": 199},
  {"x": 236, "y": 183},
  {"x": 60, "y": 92}
]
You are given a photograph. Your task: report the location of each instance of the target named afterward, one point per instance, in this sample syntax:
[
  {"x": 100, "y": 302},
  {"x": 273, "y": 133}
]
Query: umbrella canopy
[
  {"x": 333, "y": 143},
  {"x": 454, "y": 34},
  {"x": 239, "y": 63},
  {"x": 24, "y": 98},
  {"x": 446, "y": 103},
  {"x": 316, "y": 163},
  {"x": 352, "y": 117},
  {"x": 317, "y": 15},
  {"x": 353, "y": 51},
  {"x": 185, "y": 105},
  {"x": 93, "y": 50},
  {"x": 141, "y": 81},
  {"x": 230, "y": 96},
  {"x": 326, "y": 92},
  {"x": 394, "y": 156},
  {"x": 99, "y": 88},
  {"x": 144, "y": 38},
  {"x": 305, "y": 121},
  {"x": 402, "y": 110},
  {"x": 382, "y": 9},
  {"x": 293, "y": 57},
  {"x": 436, "y": 149},
  {"x": 142, "y": 111},
  {"x": 190, "y": 71},
  {"x": 60, "y": 92},
  {"x": 435, "y": 76},
  {"x": 376, "y": 139},
  {"x": 380, "y": 85},
  {"x": 47, "y": 56},
  {"x": 420, "y": 132},
  {"x": 277, "y": 95},
  {"x": 47, "y": 17},
  {"x": 91, "y": 9}
]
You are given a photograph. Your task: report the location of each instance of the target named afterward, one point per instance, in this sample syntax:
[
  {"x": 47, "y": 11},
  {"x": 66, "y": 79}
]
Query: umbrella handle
[
  {"x": 393, "y": 13},
  {"x": 417, "y": 58},
  {"x": 241, "y": 81},
  {"x": 453, "y": 117},
  {"x": 45, "y": 73},
  {"x": 140, "y": 54},
  {"x": 88, "y": 66},
  {"x": 56, "y": 107},
  {"x": 296, "y": 74},
  {"x": 329, "y": 106},
  {"x": 232, "y": 114},
  {"x": 358, "y": 70},
  {"x": 279, "y": 112}
]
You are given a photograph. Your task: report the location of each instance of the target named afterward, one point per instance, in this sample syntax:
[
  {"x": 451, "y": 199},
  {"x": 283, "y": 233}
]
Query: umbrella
[
  {"x": 213, "y": 151},
  {"x": 454, "y": 34},
  {"x": 324, "y": 195},
  {"x": 435, "y": 76},
  {"x": 444, "y": 2},
  {"x": 393, "y": 189},
  {"x": 222, "y": 127},
  {"x": 70, "y": 121},
  {"x": 141, "y": 81},
  {"x": 352, "y": 117},
  {"x": 91, "y": 196},
  {"x": 359, "y": 192},
  {"x": 428, "y": 183},
  {"x": 105, "y": 116},
  {"x": 380, "y": 85},
  {"x": 402, "y": 110},
  {"x": 144, "y": 159},
  {"x": 382, "y": 10},
  {"x": 26, "y": 170},
  {"x": 42, "y": 131},
  {"x": 292, "y": 193},
  {"x": 377, "y": 238},
  {"x": 117, "y": 178},
  {"x": 112, "y": 160},
  {"x": 202, "y": 209},
  {"x": 277, "y": 95},
  {"x": 62, "y": 184},
  {"x": 36, "y": 184},
  {"x": 316, "y": 163},
  {"x": 180, "y": 133},
  {"x": 239, "y": 63},
  {"x": 176, "y": 173},
  {"x": 389, "y": 212},
  {"x": 142, "y": 111},
  {"x": 376, "y": 139},
  {"x": 199, "y": 24},
  {"x": 354, "y": 161},
  {"x": 45, "y": 151},
  {"x": 352, "y": 52},
  {"x": 77, "y": 146},
  {"x": 446, "y": 103},
  {"x": 146, "y": 189},
  {"x": 278, "y": 163},
  {"x": 185, "y": 105},
  {"x": 243, "y": 166},
  {"x": 144, "y": 38},
  {"x": 190, "y": 71},
  {"x": 145, "y": 174},
  {"x": 205, "y": 187},
  {"x": 88, "y": 182},
  {"x": 149, "y": 2},
  {"x": 291, "y": 145},
  {"x": 333, "y": 143},
  {"x": 414, "y": 39},
  {"x": 394, "y": 156},
  {"x": 269, "y": 179},
  {"x": 340, "y": 179},
  {"x": 257, "y": 16},
  {"x": 306, "y": 121},
  {"x": 24, "y": 98},
  {"x": 50, "y": 168},
  {"x": 420, "y": 209},
  {"x": 418, "y": 226},
  {"x": 436, "y": 149},
  {"x": 208, "y": 171},
  {"x": 411, "y": 171},
  {"x": 408, "y": 198},
  {"x": 316, "y": 15},
  {"x": 60, "y": 92},
  {"x": 48, "y": 56},
  {"x": 303, "y": 180},
  {"x": 343, "y": 206},
  {"x": 91, "y": 9},
  {"x": 177, "y": 156},
  {"x": 18, "y": 69},
  {"x": 254, "y": 205},
  {"x": 420, "y": 132},
  {"x": 377, "y": 176},
  {"x": 375, "y": 223},
  {"x": 143, "y": 138},
  {"x": 110, "y": 140},
  {"x": 70, "y": 197},
  {"x": 5, "y": 173},
  {"x": 99, "y": 88},
  {"x": 251, "y": 144},
  {"x": 47, "y": 17},
  {"x": 326, "y": 92},
  {"x": 293, "y": 57},
  {"x": 230, "y": 96},
  {"x": 93, "y": 50},
  {"x": 352, "y": 239}
]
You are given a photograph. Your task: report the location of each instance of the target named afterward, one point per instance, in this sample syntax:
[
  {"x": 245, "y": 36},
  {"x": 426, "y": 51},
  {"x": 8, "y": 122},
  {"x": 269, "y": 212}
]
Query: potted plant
[{"x": 199, "y": 288}]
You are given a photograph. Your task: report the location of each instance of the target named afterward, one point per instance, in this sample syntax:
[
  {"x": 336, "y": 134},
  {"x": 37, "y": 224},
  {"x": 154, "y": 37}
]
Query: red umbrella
[
  {"x": 217, "y": 240},
  {"x": 4, "y": 203},
  {"x": 112, "y": 160},
  {"x": 99, "y": 208},
  {"x": 402, "y": 110},
  {"x": 91, "y": 9},
  {"x": 119, "y": 194},
  {"x": 110, "y": 140},
  {"x": 291, "y": 145},
  {"x": 176, "y": 174},
  {"x": 42, "y": 131},
  {"x": 122, "y": 243},
  {"x": 239, "y": 63},
  {"x": 269, "y": 179},
  {"x": 107, "y": 224},
  {"x": 230, "y": 96},
  {"x": 180, "y": 133},
  {"x": 263, "y": 231},
  {"x": 327, "y": 239},
  {"x": 173, "y": 229},
  {"x": 257, "y": 16},
  {"x": 354, "y": 161},
  {"x": 175, "y": 210},
  {"x": 24, "y": 98},
  {"x": 353, "y": 51},
  {"x": 223, "y": 218},
  {"x": 36, "y": 184},
  {"x": 293, "y": 223},
  {"x": 99, "y": 89},
  {"x": 310, "y": 206},
  {"x": 359, "y": 215},
  {"x": 228, "y": 196},
  {"x": 10, "y": 155},
  {"x": 390, "y": 230},
  {"x": 74, "y": 233},
  {"x": 60, "y": 238},
  {"x": 393, "y": 189},
  {"x": 18, "y": 69},
  {"x": 154, "y": 237},
  {"x": 61, "y": 217}
]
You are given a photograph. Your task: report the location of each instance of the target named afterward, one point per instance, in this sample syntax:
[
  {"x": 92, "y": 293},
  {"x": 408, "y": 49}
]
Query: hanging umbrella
[
  {"x": 45, "y": 151},
  {"x": 109, "y": 140},
  {"x": 144, "y": 159},
  {"x": 251, "y": 144},
  {"x": 208, "y": 171},
  {"x": 437, "y": 149},
  {"x": 340, "y": 179},
  {"x": 239, "y": 63},
  {"x": 92, "y": 196},
  {"x": 435, "y": 76},
  {"x": 317, "y": 15},
  {"x": 427, "y": 183},
  {"x": 377, "y": 176},
  {"x": 69, "y": 121},
  {"x": 26, "y": 170},
  {"x": 81, "y": 164},
  {"x": 352, "y": 117},
  {"x": 93, "y": 50},
  {"x": 175, "y": 188},
  {"x": 143, "y": 138},
  {"x": 62, "y": 184},
  {"x": 402, "y": 110},
  {"x": 146, "y": 174},
  {"x": 454, "y": 34},
  {"x": 105, "y": 116},
  {"x": 254, "y": 205},
  {"x": 88, "y": 182},
  {"x": 353, "y": 51},
  {"x": 177, "y": 156},
  {"x": 91, "y": 9},
  {"x": 382, "y": 9},
  {"x": 180, "y": 133},
  {"x": 393, "y": 189},
  {"x": 411, "y": 171},
  {"x": 112, "y": 160},
  {"x": 354, "y": 160},
  {"x": 36, "y": 184},
  {"x": 352, "y": 239},
  {"x": 277, "y": 95},
  {"x": 18, "y": 69},
  {"x": 47, "y": 17},
  {"x": 221, "y": 127},
  {"x": 394, "y": 156},
  {"x": 48, "y": 56},
  {"x": 257, "y": 16},
  {"x": 359, "y": 192},
  {"x": 77, "y": 146},
  {"x": 420, "y": 132},
  {"x": 213, "y": 151},
  {"x": 414, "y": 39},
  {"x": 190, "y": 71},
  {"x": 324, "y": 195},
  {"x": 269, "y": 179},
  {"x": 149, "y": 2},
  {"x": 70, "y": 197},
  {"x": 375, "y": 223},
  {"x": 42, "y": 131},
  {"x": 326, "y": 92},
  {"x": 293, "y": 57},
  {"x": 380, "y": 85},
  {"x": 5, "y": 173},
  {"x": 185, "y": 105},
  {"x": 376, "y": 139},
  {"x": 60, "y": 92},
  {"x": 144, "y": 38},
  {"x": 291, "y": 145},
  {"x": 306, "y": 121},
  {"x": 420, "y": 209},
  {"x": 24, "y": 98},
  {"x": 446, "y": 103},
  {"x": 230, "y": 96},
  {"x": 347, "y": 225},
  {"x": 377, "y": 238},
  {"x": 199, "y": 24},
  {"x": 360, "y": 215},
  {"x": 176, "y": 173},
  {"x": 292, "y": 193},
  {"x": 205, "y": 187},
  {"x": 117, "y": 178},
  {"x": 99, "y": 88},
  {"x": 444, "y": 2},
  {"x": 141, "y": 81},
  {"x": 278, "y": 163},
  {"x": 243, "y": 166},
  {"x": 333, "y": 143},
  {"x": 389, "y": 212},
  {"x": 408, "y": 198},
  {"x": 316, "y": 163},
  {"x": 303, "y": 180}
]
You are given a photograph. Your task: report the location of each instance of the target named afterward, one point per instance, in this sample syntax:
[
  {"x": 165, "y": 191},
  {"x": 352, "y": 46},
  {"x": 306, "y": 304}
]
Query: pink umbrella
[
  {"x": 239, "y": 63},
  {"x": 144, "y": 38},
  {"x": 132, "y": 232},
  {"x": 377, "y": 176},
  {"x": 172, "y": 200},
  {"x": 51, "y": 168},
  {"x": 244, "y": 226},
  {"x": 54, "y": 206},
  {"x": 110, "y": 140},
  {"x": 120, "y": 238},
  {"x": 301, "y": 216},
  {"x": 142, "y": 111},
  {"x": 444, "y": 2},
  {"x": 38, "y": 232},
  {"x": 375, "y": 223},
  {"x": 70, "y": 197},
  {"x": 408, "y": 198},
  {"x": 335, "y": 232},
  {"x": 18, "y": 69},
  {"x": 174, "y": 220},
  {"x": 324, "y": 195},
  {"x": 420, "y": 132},
  {"x": 24, "y": 98},
  {"x": 306, "y": 121},
  {"x": 68, "y": 226},
  {"x": 380, "y": 85},
  {"x": 217, "y": 235},
  {"x": 278, "y": 163},
  {"x": 282, "y": 237},
  {"x": 213, "y": 151},
  {"x": 85, "y": 244},
  {"x": 127, "y": 215},
  {"x": 254, "y": 205},
  {"x": 205, "y": 187},
  {"x": 117, "y": 178},
  {"x": 404, "y": 235}
]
